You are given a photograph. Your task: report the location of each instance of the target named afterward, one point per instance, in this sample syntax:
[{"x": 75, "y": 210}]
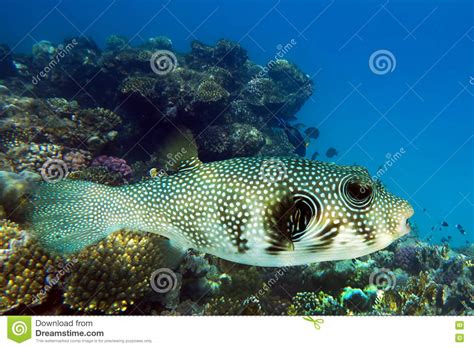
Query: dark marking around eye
[{"x": 289, "y": 220}]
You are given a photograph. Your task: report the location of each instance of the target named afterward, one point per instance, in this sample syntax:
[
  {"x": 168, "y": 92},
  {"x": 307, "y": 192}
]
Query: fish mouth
[{"x": 405, "y": 225}]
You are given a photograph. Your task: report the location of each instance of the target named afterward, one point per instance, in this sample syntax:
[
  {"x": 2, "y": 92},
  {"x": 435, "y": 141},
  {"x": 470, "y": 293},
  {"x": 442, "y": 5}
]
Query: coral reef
[
  {"x": 209, "y": 86},
  {"x": 101, "y": 112},
  {"x": 7, "y": 67},
  {"x": 25, "y": 268},
  {"x": 312, "y": 303},
  {"x": 113, "y": 164},
  {"x": 114, "y": 275},
  {"x": 13, "y": 190}
]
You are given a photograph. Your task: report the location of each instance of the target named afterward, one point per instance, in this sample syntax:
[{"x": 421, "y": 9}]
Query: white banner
[{"x": 219, "y": 332}]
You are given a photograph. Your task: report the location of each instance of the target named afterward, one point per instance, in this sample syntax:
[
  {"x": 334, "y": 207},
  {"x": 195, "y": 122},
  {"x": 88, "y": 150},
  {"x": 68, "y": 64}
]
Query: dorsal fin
[{"x": 189, "y": 164}]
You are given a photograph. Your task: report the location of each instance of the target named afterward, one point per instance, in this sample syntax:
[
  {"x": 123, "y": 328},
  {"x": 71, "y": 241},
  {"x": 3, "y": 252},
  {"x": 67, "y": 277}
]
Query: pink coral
[{"x": 114, "y": 164}]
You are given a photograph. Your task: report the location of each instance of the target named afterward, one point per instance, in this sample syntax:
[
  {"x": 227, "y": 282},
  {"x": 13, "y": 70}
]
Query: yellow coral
[
  {"x": 113, "y": 275},
  {"x": 24, "y": 268}
]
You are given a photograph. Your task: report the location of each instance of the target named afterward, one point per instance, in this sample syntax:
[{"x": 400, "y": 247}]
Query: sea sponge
[
  {"x": 25, "y": 268},
  {"x": 113, "y": 275}
]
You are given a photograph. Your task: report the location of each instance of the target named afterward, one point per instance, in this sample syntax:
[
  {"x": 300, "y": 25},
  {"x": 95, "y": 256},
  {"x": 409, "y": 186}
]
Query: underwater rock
[
  {"x": 116, "y": 43},
  {"x": 7, "y": 68},
  {"x": 206, "y": 87},
  {"x": 263, "y": 95},
  {"x": 13, "y": 190},
  {"x": 226, "y": 54},
  {"x": 43, "y": 50},
  {"x": 68, "y": 72},
  {"x": 276, "y": 143},
  {"x": 293, "y": 84},
  {"x": 158, "y": 43},
  {"x": 235, "y": 140}
]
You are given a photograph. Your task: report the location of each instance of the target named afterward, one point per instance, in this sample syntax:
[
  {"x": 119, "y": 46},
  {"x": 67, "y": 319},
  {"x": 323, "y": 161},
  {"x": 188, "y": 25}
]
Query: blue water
[{"x": 423, "y": 109}]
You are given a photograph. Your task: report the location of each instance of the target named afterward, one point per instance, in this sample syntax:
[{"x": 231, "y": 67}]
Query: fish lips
[{"x": 405, "y": 223}]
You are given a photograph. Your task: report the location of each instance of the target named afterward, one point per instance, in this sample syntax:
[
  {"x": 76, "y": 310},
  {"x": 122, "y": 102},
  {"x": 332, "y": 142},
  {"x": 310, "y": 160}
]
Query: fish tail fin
[{"x": 69, "y": 215}]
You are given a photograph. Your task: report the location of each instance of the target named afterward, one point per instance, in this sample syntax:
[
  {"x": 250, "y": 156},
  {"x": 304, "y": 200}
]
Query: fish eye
[{"x": 358, "y": 193}]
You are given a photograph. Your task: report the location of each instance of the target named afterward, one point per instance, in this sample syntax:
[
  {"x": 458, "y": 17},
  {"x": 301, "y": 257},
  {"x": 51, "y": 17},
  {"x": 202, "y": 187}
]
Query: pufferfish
[{"x": 271, "y": 212}]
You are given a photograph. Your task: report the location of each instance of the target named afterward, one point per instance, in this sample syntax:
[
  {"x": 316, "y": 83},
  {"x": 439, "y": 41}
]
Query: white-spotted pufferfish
[{"x": 258, "y": 211}]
